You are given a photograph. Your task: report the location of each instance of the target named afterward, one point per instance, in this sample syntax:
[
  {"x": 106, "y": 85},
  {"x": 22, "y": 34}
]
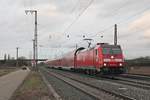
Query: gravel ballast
[
  {"x": 66, "y": 91},
  {"x": 137, "y": 93}
]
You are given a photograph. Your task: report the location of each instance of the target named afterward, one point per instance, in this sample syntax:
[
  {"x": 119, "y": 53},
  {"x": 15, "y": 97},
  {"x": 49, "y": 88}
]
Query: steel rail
[{"x": 117, "y": 95}]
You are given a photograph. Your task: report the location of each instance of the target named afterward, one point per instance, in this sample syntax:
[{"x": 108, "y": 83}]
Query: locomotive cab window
[
  {"x": 111, "y": 51},
  {"x": 116, "y": 50},
  {"x": 106, "y": 50}
]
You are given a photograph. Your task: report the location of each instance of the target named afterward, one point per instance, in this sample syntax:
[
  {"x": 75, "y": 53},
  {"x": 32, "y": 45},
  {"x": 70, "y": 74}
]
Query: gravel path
[{"x": 10, "y": 82}]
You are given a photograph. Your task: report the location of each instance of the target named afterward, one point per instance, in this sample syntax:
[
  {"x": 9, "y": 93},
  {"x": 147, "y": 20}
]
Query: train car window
[{"x": 96, "y": 51}]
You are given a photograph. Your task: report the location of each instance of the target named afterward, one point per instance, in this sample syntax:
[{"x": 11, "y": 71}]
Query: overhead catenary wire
[
  {"x": 122, "y": 21},
  {"x": 73, "y": 9},
  {"x": 105, "y": 29},
  {"x": 80, "y": 14},
  {"x": 114, "y": 13},
  {"x": 83, "y": 12},
  {"x": 134, "y": 15}
]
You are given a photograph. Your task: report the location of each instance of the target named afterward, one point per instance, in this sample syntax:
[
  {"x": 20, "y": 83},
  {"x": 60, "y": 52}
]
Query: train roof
[
  {"x": 103, "y": 45},
  {"x": 107, "y": 45}
]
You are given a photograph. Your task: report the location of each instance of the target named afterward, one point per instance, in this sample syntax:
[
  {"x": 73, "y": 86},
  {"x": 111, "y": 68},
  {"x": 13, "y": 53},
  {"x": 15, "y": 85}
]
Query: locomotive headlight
[
  {"x": 120, "y": 64},
  {"x": 105, "y": 64},
  {"x": 112, "y": 57}
]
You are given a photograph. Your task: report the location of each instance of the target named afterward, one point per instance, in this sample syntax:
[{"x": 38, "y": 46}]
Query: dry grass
[
  {"x": 4, "y": 71},
  {"x": 32, "y": 88},
  {"x": 140, "y": 70}
]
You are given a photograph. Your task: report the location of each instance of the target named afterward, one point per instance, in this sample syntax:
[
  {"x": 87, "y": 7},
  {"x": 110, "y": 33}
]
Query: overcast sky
[{"x": 56, "y": 16}]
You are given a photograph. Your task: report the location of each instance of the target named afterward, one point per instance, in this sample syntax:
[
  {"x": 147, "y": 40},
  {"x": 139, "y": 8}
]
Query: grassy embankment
[
  {"x": 33, "y": 88},
  {"x": 4, "y": 71}
]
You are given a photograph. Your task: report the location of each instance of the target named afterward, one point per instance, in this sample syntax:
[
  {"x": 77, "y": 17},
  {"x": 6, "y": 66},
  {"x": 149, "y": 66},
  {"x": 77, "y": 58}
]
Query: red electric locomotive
[{"x": 103, "y": 58}]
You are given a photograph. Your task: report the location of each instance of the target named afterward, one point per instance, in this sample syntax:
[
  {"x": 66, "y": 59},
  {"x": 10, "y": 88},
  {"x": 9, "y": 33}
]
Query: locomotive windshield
[{"x": 111, "y": 51}]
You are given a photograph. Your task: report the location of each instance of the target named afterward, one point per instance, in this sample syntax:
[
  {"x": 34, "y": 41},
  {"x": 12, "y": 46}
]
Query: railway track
[
  {"x": 64, "y": 89},
  {"x": 123, "y": 79},
  {"x": 90, "y": 89},
  {"x": 137, "y": 76},
  {"x": 131, "y": 82}
]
